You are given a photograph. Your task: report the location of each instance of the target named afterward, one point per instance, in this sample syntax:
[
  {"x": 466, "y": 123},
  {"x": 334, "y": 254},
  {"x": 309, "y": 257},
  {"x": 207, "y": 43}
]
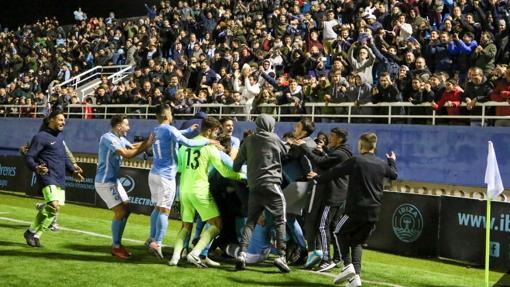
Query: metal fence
[
  {"x": 114, "y": 75},
  {"x": 345, "y": 112}
]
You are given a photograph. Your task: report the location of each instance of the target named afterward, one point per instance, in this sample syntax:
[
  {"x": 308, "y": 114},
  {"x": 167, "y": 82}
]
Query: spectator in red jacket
[
  {"x": 451, "y": 99},
  {"x": 501, "y": 93}
]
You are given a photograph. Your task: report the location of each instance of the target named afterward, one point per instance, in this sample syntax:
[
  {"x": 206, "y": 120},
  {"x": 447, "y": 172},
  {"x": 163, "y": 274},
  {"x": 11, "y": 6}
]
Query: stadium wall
[{"x": 437, "y": 154}]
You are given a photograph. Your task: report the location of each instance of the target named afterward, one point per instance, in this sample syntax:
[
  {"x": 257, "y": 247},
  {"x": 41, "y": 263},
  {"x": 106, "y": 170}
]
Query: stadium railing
[
  {"x": 383, "y": 111},
  {"x": 114, "y": 74}
]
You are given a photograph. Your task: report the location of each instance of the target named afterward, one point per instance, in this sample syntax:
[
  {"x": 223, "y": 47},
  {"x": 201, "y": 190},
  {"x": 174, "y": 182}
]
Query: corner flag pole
[
  {"x": 494, "y": 188},
  {"x": 487, "y": 240}
]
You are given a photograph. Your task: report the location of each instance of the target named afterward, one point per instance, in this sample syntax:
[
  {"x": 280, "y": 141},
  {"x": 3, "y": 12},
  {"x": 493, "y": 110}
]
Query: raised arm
[
  {"x": 336, "y": 171},
  {"x": 221, "y": 167},
  {"x": 181, "y": 139}
]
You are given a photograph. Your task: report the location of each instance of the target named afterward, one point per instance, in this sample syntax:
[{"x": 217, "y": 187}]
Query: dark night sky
[{"x": 14, "y": 13}]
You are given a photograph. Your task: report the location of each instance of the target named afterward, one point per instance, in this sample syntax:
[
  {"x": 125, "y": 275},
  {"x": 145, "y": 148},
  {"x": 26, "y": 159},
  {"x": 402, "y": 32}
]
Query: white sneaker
[
  {"x": 54, "y": 227},
  {"x": 209, "y": 262},
  {"x": 281, "y": 263},
  {"x": 192, "y": 258},
  {"x": 241, "y": 261},
  {"x": 156, "y": 249},
  {"x": 347, "y": 273},
  {"x": 354, "y": 281},
  {"x": 174, "y": 261}
]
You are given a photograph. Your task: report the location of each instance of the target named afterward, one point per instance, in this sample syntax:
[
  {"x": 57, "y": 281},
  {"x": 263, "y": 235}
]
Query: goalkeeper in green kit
[{"x": 194, "y": 164}]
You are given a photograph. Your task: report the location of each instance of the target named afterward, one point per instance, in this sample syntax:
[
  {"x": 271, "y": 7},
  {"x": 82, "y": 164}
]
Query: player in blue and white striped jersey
[{"x": 113, "y": 147}]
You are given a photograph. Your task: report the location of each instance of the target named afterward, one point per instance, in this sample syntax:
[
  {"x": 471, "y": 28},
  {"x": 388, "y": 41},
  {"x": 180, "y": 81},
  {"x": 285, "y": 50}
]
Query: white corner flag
[
  {"x": 494, "y": 188},
  {"x": 492, "y": 176}
]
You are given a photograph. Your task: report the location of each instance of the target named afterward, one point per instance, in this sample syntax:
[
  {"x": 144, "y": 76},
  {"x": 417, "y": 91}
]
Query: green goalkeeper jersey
[{"x": 194, "y": 165}]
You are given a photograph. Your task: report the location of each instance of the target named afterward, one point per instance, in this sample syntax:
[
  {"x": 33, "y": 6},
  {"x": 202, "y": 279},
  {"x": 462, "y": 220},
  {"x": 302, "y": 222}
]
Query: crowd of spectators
[{"x": 245, "y": 53}]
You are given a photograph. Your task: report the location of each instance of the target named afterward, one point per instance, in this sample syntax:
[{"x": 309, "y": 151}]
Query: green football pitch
[{"x": 78, "y": 255}]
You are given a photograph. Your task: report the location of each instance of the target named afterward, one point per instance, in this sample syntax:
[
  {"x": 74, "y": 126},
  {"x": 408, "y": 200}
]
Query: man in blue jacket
[{"x": 47, "y": 158}]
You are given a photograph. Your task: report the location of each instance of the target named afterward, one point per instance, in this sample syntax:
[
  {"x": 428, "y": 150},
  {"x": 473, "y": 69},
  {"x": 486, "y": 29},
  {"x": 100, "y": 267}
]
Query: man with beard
[
  {"x": 484, "y": 56},
  {"x": 113, "y": 147},
  {"x": 477, "y": 89},
  {"x": 47, "y": 158}
]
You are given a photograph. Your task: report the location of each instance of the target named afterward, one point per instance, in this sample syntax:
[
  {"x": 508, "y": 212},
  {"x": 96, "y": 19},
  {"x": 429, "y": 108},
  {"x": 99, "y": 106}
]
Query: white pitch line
[
  {"x": 4, "y": 212},
  {"x": 139, "y": 241},
  {"x": 74, "y": 230}
]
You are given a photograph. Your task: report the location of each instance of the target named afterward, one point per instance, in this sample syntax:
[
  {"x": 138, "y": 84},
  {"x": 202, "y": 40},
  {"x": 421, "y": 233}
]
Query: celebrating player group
[{"x": 303, "y": 201}]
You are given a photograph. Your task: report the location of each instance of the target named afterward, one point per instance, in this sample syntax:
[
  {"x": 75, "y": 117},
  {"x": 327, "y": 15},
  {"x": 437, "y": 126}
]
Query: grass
[{"x": 73, "y": 258}]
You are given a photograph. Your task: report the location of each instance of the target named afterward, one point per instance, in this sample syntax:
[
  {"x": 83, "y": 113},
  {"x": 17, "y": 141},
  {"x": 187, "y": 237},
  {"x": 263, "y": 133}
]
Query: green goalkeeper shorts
[
  {"x": 192, "y": 202},
  {"x": 52, "y": 193}
]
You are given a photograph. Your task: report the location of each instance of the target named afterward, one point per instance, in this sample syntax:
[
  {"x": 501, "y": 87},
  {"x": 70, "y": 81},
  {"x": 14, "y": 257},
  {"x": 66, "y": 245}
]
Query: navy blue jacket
[{"x": 47, "y": 147}]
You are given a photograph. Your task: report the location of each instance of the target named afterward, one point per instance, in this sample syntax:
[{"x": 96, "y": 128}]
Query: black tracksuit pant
[
  {"x": 352, "y": 233},
  {"x": 331, "y": 215},
  {"x": 270, "y": 197},
  {"x": 312, "y": 215}
]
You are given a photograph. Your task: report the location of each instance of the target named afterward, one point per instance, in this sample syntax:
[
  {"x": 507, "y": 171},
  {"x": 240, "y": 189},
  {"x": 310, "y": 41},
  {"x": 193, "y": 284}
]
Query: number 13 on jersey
[{"x": 192, "y": 158}]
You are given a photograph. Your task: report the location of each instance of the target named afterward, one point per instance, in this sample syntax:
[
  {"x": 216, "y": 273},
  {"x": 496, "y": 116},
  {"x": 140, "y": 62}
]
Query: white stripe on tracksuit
[
  {"x": 312, "y": 198},
  {"x": 314, "y": 187},
  {"x": 338, "y": 226},
  {"x": 280, "y": 192},
  {"x": 322, "y": 229}
]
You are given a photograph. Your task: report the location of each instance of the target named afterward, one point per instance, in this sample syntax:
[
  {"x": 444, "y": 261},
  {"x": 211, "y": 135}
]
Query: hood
[
  {"x": 265, "y": 123},
  {"x": 346, "y": 148}
]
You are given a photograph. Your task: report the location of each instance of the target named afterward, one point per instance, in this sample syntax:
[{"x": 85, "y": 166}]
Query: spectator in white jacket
[
  {"x": 402, "y": 30},
  {"x": 363, "y": 63},
  {"x": 249, "y": 88},
  {"x": 328, "y": 32}
]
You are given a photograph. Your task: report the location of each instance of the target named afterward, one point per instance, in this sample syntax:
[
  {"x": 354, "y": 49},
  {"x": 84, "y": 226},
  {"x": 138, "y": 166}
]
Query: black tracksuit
[
  {"x": 329, "y": 207},
  {"x": 363, "y": 204}
]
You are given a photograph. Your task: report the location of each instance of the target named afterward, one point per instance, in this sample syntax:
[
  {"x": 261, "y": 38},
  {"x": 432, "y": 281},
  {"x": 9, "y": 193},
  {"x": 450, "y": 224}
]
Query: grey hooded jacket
[{"x": 263, "y": 152}]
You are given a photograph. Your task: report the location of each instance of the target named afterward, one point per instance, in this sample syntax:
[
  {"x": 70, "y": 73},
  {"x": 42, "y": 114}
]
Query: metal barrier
[
  {"x": 114, "y": 74},
  {"x": 219, "y": 110},
  {"x": 114, "y": 78},
  {"x": 313, "y": 110}
]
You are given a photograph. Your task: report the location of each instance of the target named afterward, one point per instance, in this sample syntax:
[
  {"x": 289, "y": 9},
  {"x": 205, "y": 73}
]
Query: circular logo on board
[
  {"x": 407, "y": 223},
  {"x": 128, "y": 183}
]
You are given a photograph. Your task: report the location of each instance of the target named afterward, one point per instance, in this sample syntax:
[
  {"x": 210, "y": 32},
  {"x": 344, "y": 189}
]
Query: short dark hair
[
  {"x": 308, "y": 125},
  {"x": 55, "y": 113},
  {"x": 341, "y": 133},
  {"x": 384, "y": 74},
  {"x": 210, "y": 123},
  {"x": 470, "y": 35},
  {"x": 117, "y": 119},
  {"x": 226, "y": 142},
  {"x": 226, "y": 119}
]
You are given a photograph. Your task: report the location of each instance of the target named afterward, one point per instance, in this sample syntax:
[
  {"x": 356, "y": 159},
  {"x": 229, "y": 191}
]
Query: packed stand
[{"x": 246, "y": 53}]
